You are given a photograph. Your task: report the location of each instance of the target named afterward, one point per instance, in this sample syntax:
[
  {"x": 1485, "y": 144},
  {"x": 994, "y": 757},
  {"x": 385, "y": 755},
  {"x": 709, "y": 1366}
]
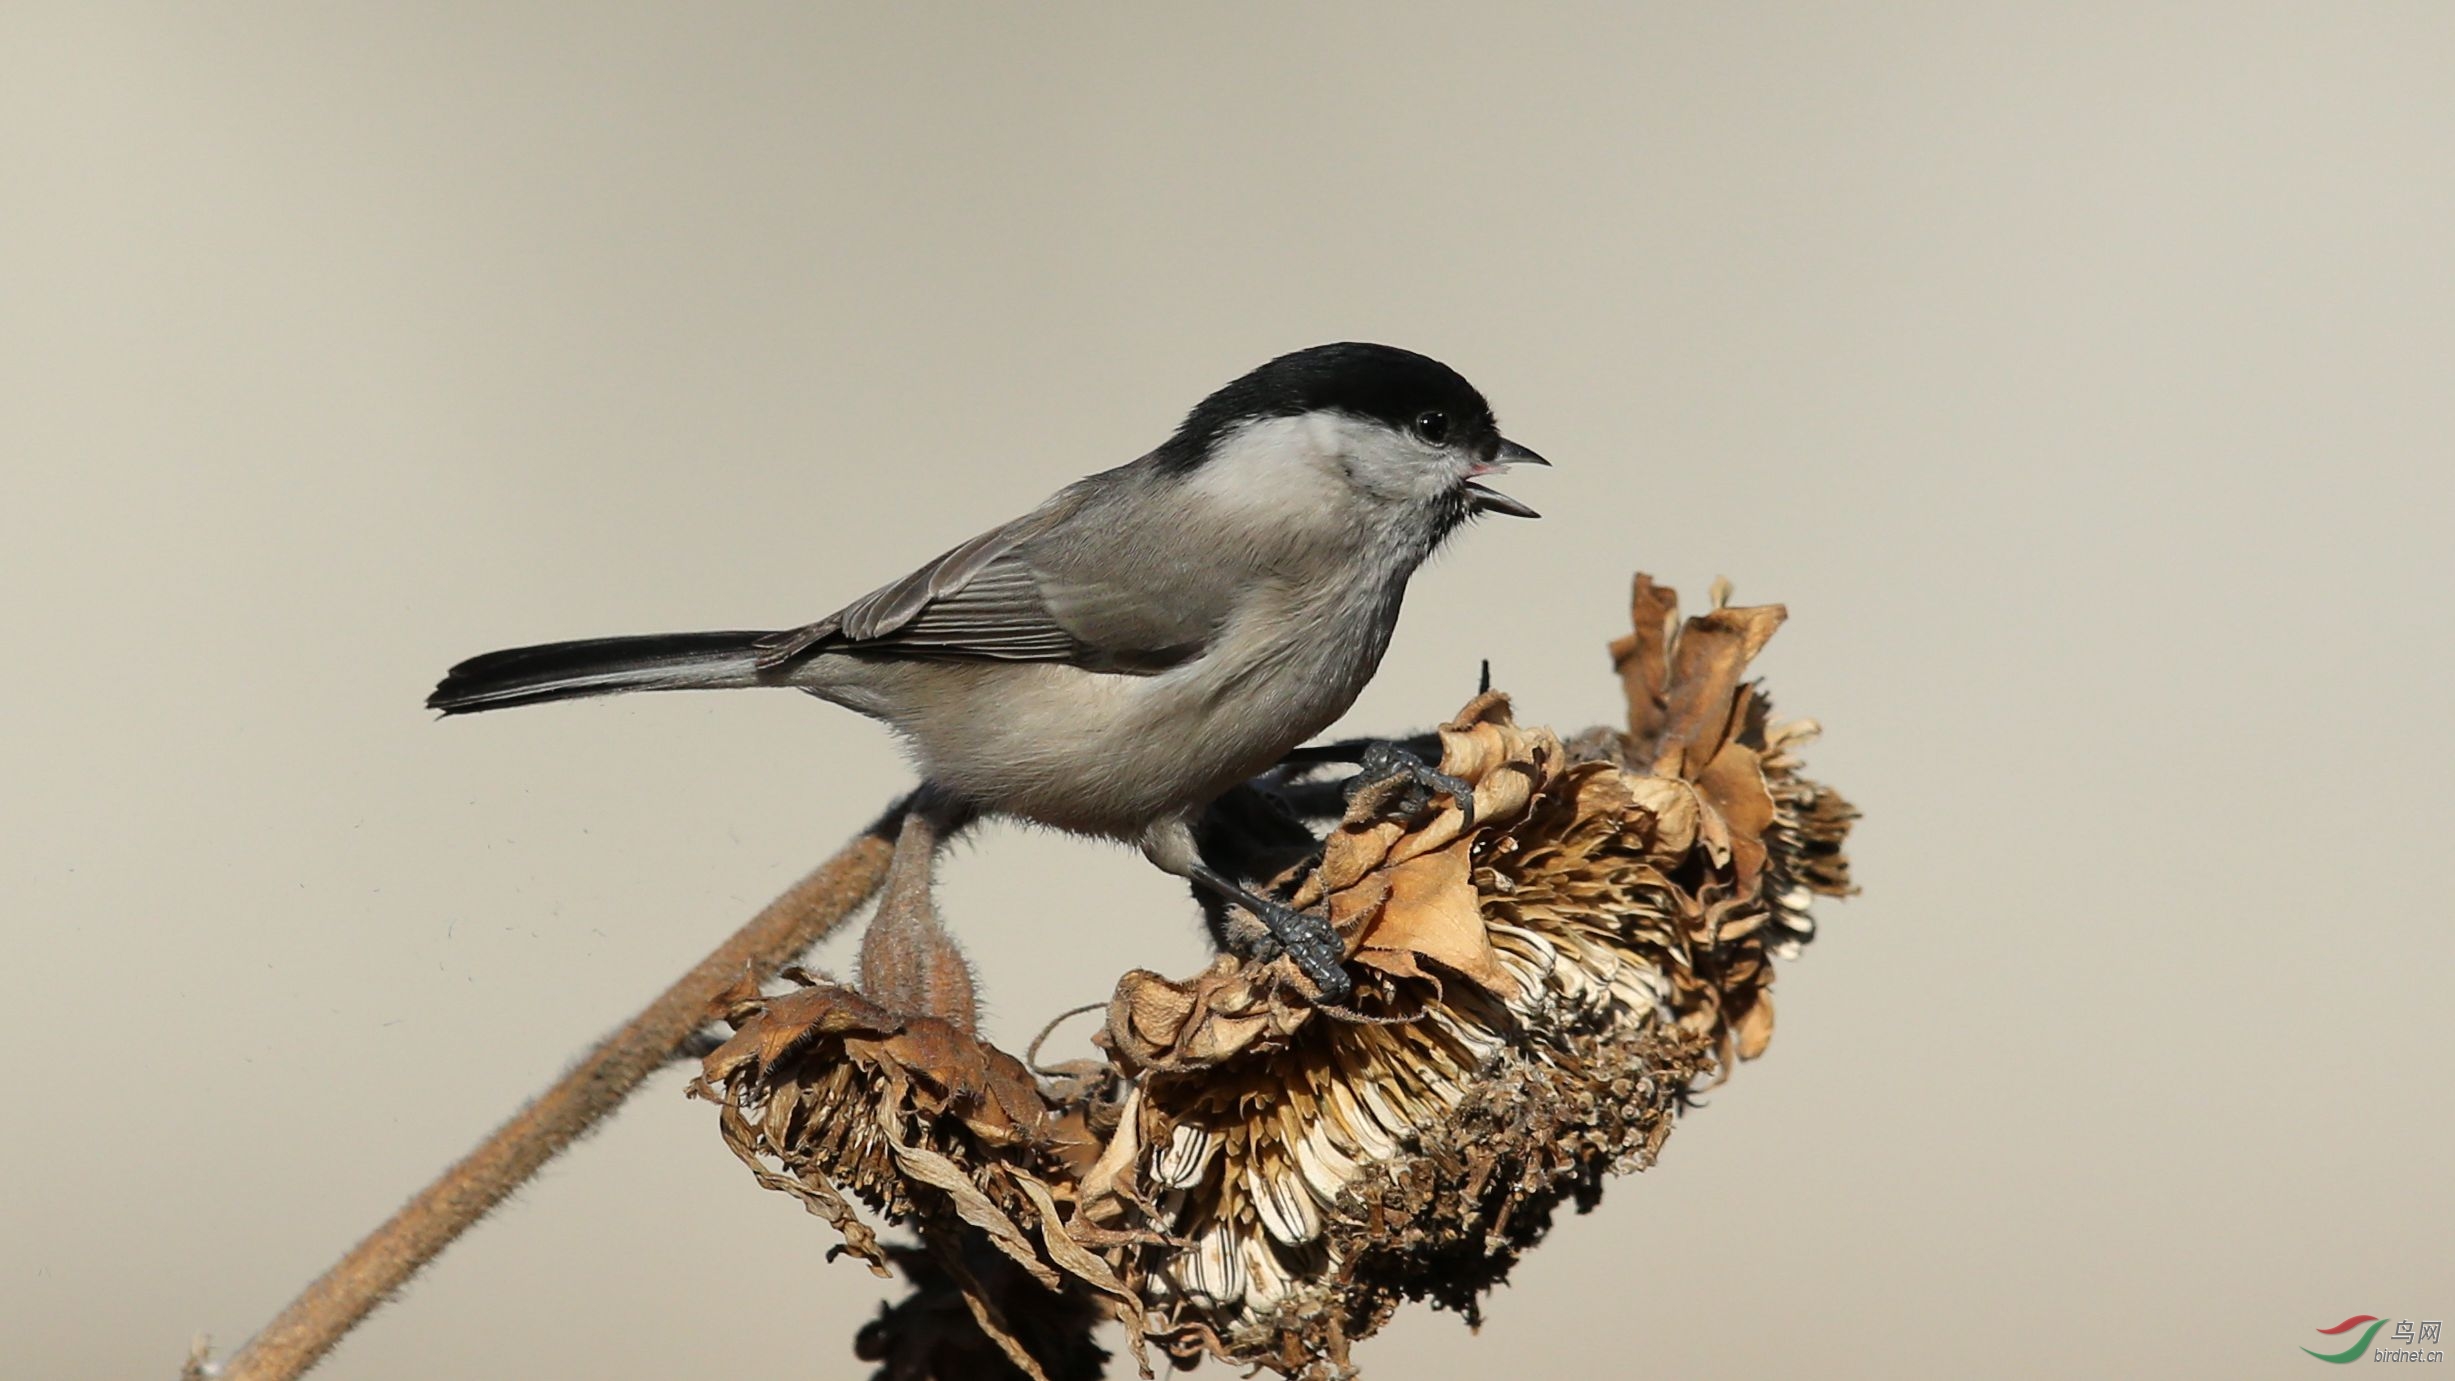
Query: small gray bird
[{"x": 1113, "y": 661}]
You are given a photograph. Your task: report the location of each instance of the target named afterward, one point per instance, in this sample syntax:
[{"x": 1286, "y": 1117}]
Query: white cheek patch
[
  {"x": 1393, "y": 464},
  {"x": 1279, "y": 470},
  {"x": 1315, "y": 468}
]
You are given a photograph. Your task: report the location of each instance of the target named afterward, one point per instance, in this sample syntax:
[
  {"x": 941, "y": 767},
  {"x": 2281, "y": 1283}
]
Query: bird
[{"x": 1115, "y": 660}]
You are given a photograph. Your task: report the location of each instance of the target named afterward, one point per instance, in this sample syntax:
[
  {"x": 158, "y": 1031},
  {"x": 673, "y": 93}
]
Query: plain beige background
[{"x": 2079, "y": 377}]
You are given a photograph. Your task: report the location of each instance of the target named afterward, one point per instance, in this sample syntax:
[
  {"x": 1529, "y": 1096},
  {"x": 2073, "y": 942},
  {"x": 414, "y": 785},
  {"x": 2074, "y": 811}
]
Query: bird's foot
[
  {"x": 1386, "y": 767},
  {"x": 1302, "y": 936},
  {"x": 1309, "y": 941}
]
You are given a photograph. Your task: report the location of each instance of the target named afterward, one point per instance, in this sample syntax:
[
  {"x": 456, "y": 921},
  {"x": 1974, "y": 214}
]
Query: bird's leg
[
  {"x": 1307, "y": 938},
  {"x": 1170, "y": 843},
  {"x": 1379, "y": 763},
  {"x": 1383, "y": 763},
  {"x": 1302, "y": 761},
  {"x": 909, "y": 963}
]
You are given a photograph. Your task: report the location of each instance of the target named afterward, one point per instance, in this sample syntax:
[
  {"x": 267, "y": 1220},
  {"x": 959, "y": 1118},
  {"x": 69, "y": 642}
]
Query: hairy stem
[{"x": 328, "y": 1309}]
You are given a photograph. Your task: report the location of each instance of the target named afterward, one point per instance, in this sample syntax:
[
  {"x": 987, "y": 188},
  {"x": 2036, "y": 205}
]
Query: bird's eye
[{"x": 1433, "y": 426}]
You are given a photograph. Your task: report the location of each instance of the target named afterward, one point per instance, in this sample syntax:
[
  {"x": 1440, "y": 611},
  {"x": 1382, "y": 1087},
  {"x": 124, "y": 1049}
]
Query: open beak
[{"x": 1482, "y": 500}]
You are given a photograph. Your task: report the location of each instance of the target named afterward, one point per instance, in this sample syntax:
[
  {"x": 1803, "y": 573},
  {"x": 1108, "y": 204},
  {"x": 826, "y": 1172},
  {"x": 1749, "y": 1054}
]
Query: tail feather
[{"x": 599, "y": 666}]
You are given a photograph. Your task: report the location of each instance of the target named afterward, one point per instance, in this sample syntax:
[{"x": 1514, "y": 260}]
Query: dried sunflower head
[{"x": 1539, "y": 985}]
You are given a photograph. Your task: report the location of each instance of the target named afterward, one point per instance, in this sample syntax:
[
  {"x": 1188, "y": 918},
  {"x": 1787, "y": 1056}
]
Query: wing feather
[{"x": 1023, "y": 591}]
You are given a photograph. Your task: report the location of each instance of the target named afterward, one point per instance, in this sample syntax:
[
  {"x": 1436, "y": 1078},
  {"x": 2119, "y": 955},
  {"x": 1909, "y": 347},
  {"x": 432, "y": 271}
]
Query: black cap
[{"x": 1382, "y": 383}]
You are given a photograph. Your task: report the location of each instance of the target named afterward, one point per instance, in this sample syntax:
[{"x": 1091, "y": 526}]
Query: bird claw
[
  {"x": 1310, "y": 942},
  {"x": 1386, "y": 763}
]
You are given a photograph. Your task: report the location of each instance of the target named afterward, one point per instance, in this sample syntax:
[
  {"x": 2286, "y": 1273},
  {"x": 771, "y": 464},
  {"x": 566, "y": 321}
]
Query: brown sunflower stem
[{"x": 328, "y": 1309}]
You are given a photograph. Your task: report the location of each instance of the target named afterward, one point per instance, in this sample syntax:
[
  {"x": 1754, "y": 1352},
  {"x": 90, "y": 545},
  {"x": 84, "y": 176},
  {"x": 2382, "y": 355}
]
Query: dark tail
[{"x": 599, "y": 666}]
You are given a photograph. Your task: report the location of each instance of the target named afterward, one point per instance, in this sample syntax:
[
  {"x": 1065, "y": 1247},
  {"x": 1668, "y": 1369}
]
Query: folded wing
[{"x": 1074, "y": 581}]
